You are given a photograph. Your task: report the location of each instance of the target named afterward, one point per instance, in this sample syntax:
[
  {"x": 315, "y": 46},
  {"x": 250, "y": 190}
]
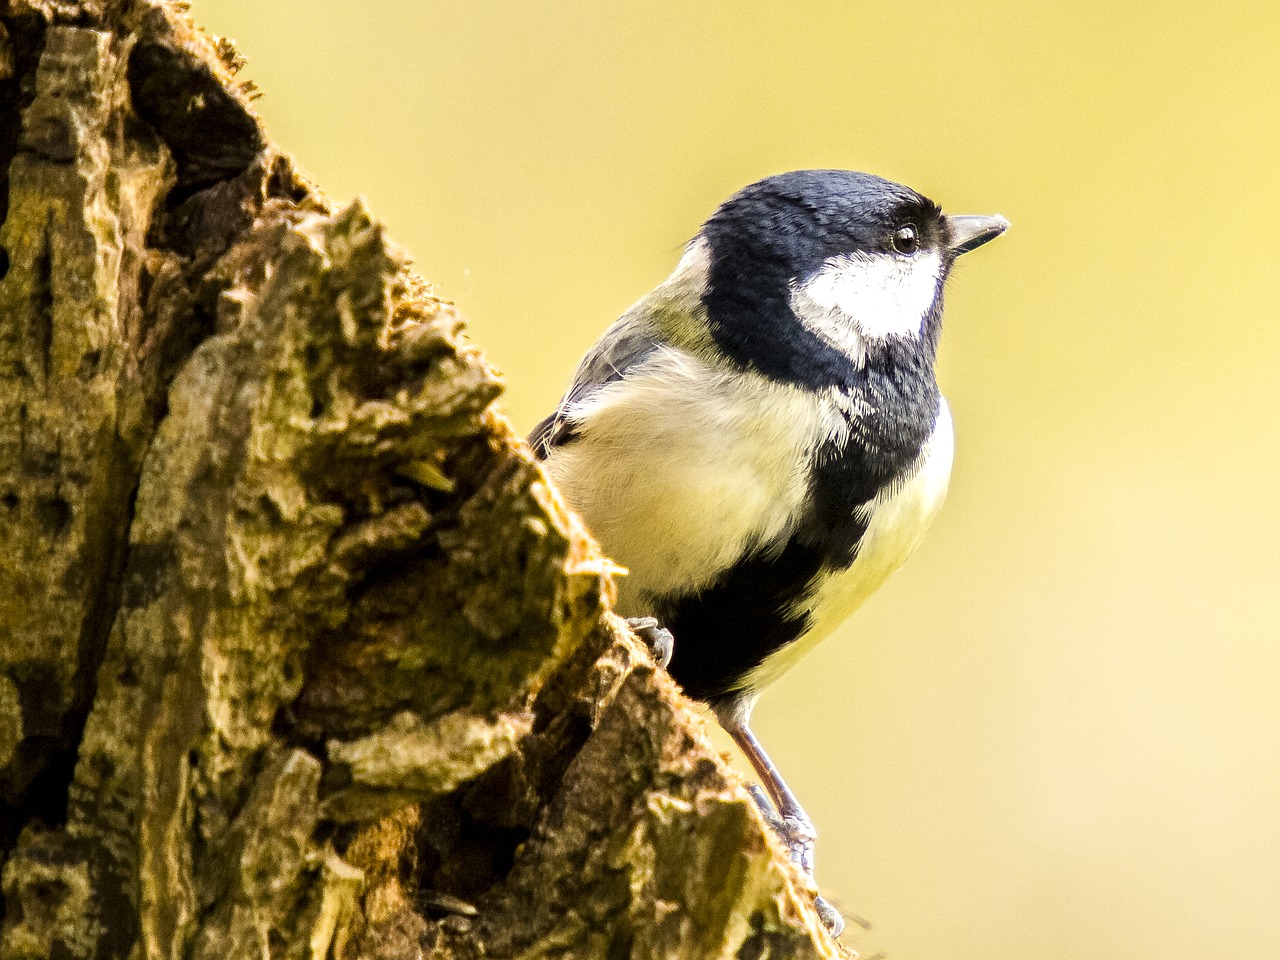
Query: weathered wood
[{"x": 300, "y": 655}]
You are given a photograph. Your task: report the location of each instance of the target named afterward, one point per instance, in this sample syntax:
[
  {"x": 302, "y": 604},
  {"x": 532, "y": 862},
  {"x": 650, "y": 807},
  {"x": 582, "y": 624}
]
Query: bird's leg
[
  {"x": 657, "y": 638},
  {"x": 781, "y": 809},
  {"x": 785, "y": 814}
]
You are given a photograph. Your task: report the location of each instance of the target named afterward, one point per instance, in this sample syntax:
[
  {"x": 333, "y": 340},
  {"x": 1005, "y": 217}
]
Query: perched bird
[{"x": 761, "y": 441}]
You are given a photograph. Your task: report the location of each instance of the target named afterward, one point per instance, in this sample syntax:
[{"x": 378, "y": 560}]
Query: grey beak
[{"x": 969, "y": 233}]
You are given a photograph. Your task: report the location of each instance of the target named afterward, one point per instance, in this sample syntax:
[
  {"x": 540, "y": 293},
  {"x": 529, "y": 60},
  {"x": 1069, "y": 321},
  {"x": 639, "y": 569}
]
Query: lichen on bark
[{"x": 300, "y": 654}]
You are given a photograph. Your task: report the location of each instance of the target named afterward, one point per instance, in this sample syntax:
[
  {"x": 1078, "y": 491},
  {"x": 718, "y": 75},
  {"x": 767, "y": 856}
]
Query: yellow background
[{"x": 1055, "y": 734}]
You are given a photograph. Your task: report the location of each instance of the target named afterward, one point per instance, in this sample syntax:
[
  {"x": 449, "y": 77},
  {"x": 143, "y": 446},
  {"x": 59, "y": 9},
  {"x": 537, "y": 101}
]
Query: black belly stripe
[
  {"x": 728, "y": 629},
  {"x": 725, "y": 631}
]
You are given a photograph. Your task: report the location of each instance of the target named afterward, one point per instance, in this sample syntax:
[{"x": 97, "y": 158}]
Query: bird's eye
[{"x": 906, "y": 240}]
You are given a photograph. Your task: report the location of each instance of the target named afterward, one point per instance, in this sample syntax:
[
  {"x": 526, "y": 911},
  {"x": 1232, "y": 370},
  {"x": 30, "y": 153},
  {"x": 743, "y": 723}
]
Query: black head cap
[{"x": 795, "y": 221}]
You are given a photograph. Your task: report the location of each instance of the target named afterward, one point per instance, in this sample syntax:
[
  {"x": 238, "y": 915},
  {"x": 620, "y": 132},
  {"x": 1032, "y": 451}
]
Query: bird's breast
[
  {"x": 894, "y": 521},
  {"x": 681, "y": 469}
]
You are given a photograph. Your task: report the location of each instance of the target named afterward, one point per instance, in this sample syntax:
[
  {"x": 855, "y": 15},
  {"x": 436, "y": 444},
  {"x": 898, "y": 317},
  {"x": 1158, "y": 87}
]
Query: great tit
[{"x": 761, "y": 440}]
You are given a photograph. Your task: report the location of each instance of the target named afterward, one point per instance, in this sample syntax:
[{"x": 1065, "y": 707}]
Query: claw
[
  {"x": 658, "y": 639},
  {"x": 831, "y": 917},
  {"x": 798, "y": 836}
]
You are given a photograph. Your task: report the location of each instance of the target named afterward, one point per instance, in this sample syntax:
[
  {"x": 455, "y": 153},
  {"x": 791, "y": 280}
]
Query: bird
[{"x": 760, "y": 441}]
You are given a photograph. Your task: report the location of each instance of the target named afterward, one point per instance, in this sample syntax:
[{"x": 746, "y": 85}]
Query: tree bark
[{"x": 300, "y": 654}]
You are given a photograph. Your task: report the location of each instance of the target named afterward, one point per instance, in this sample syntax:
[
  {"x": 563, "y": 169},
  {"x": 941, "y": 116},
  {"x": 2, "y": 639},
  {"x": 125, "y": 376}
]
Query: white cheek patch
[{"x": 877, "y": 295}]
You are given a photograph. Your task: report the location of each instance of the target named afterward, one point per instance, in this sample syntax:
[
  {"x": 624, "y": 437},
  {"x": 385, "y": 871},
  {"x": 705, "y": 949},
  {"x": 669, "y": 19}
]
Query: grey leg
[
  {"x": 789, "y": 820},
  {"x": 781, "y": 809}
]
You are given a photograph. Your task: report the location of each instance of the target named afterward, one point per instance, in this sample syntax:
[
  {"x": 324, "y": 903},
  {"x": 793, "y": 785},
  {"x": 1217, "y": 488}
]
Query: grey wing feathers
[{"x": 622, "y": 346}]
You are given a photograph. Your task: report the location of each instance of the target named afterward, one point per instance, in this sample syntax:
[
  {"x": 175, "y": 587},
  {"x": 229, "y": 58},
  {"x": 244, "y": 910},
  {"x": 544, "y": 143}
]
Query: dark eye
[{"x": 905, "y": 240}]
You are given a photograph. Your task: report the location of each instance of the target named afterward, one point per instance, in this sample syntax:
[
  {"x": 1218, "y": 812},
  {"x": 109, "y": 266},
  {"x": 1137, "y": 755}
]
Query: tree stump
[{"x": 300, "y": 654}]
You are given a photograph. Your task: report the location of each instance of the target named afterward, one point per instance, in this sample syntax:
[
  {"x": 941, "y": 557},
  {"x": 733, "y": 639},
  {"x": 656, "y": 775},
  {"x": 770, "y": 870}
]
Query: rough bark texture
[{"x": 300, "y": 656}]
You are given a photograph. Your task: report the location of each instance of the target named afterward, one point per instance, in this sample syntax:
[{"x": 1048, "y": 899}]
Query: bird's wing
[{"x": 623, "y": 346}]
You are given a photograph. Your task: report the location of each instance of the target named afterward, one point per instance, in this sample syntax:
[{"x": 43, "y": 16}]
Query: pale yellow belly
[{"x": 685, "y": 470}]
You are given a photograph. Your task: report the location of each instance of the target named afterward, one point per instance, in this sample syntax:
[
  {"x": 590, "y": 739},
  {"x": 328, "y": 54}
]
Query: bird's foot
[
  {"x": 796, "y": 833},
  {"x": 798, "y": 836},
  {"x": 657, "y": 638}
]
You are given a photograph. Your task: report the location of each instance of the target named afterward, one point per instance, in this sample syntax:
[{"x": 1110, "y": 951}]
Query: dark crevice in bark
[
  {"x": 44, "y": 798},
  {"x": 212, "y": 135},
  {"x": 462, "y": 855},
  {"x": 22, "y": 39}
]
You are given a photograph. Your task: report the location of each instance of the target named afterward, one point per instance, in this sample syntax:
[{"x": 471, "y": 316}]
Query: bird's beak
[{"x": 969, "y": 233}]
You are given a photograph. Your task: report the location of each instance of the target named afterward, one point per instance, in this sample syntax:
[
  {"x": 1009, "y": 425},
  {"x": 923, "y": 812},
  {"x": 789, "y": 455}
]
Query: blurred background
[{"x": 1055, "y": 733}]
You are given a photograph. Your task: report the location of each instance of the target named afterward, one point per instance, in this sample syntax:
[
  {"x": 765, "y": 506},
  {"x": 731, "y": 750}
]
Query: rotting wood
[{"x": 300, "y": 656}]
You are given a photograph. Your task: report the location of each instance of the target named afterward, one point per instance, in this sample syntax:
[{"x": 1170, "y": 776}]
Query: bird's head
[{"x": 809, "y": 272}]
